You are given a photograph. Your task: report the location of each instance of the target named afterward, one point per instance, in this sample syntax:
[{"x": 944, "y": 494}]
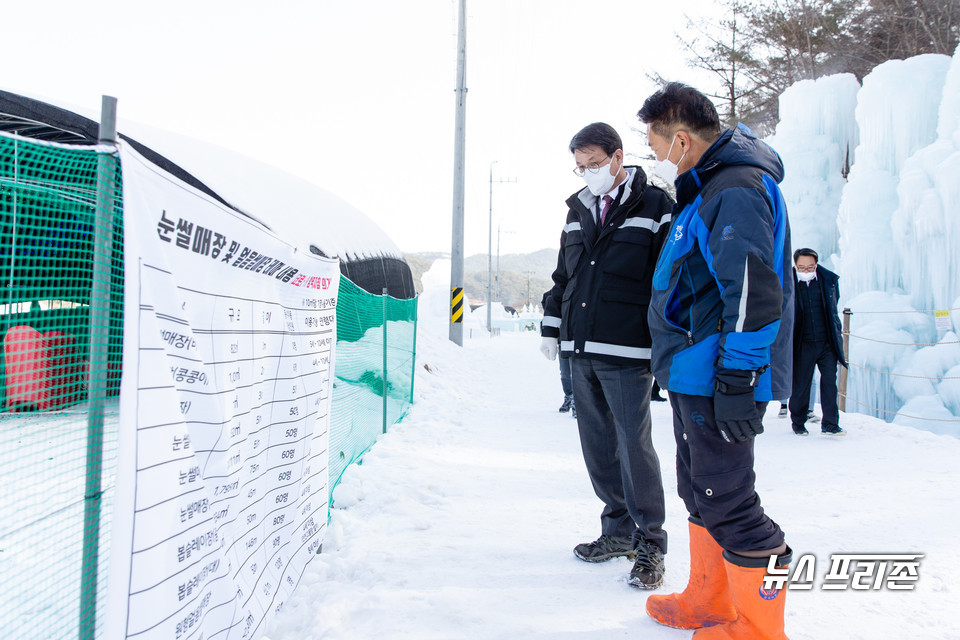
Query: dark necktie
[{"x": 607, "y": 201}]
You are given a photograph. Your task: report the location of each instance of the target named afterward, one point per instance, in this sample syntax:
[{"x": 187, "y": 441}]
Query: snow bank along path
[{"x": 461, "y": 521}]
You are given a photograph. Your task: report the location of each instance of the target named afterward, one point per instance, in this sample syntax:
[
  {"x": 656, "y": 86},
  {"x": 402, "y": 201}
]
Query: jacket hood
[{"x": 741, "y": 146}]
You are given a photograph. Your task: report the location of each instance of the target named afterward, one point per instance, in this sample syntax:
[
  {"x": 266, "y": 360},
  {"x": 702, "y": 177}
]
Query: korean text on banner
[{"x": 229, "y": 339}]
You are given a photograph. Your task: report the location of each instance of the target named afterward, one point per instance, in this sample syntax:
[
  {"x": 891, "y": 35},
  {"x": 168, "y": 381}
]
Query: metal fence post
[
  {"x": 846, "y": 356},
  {"x": 384, "y": 359},
  {"x": 413, "y": 353},
  {"x": 97, "y": 375}
]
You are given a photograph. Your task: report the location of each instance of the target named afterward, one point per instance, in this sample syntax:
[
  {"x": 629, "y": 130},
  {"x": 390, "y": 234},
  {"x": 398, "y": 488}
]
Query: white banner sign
[{"x": 221, "y": 492}]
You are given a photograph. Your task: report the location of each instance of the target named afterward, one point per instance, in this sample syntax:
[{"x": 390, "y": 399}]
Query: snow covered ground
[
  {"x": 461, "y": 521},
  {"x": 41, "y": 542}
]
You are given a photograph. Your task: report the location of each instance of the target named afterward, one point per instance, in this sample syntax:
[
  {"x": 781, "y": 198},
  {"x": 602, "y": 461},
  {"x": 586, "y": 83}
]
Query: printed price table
[{"x": 224, "y": 413}]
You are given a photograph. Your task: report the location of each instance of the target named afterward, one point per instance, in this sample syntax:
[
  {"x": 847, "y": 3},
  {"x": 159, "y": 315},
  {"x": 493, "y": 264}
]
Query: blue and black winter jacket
[{"x": 723, "y": 288}]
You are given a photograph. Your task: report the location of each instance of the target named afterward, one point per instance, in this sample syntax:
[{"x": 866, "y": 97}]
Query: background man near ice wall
[
  {"x": 598, "y": 308},
  {"x": 817, "y": 341},
  {"x": 720, "y": 316}
]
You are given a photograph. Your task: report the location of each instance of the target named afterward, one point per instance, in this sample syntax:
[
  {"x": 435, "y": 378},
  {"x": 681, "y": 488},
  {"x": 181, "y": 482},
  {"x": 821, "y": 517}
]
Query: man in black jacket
[
  {"x": 817, "y": 341},
  {"x": 598, "y": 310}
]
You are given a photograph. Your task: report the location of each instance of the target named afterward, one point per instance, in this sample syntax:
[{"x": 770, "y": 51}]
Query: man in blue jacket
[
  {"x": 597, "y": 309},
  {"x": 721, "y": 322},
  {"x": 817, "y": 341}
]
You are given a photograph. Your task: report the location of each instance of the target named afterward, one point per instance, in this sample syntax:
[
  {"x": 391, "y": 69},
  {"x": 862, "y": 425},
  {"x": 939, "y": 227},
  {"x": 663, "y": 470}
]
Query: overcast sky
[{"x": 358, "y": 97}]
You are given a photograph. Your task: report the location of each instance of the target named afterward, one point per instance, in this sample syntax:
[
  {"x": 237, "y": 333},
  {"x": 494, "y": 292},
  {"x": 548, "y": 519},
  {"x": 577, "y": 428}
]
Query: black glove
[{"x": 734, "y": 408}]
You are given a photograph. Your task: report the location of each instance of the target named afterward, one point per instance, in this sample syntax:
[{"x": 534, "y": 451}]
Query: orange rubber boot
[
  {"x": 759, "y": 611},
  {"x": 706, "y": 600}
]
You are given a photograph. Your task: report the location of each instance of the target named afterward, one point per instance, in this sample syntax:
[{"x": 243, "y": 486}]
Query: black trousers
[
  {"x": 716, "y": 480},
  {"x": 613, "y": 416},
  {"x": 822, "y": 356},
  {"x": 565, "y": 380}
]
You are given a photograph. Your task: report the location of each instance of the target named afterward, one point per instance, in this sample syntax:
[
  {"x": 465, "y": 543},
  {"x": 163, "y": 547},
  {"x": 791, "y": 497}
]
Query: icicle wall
[{"x": 894, "y": 223}]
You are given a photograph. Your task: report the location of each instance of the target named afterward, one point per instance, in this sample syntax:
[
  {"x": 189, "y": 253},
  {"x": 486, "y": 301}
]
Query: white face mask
[
  {"x": 806, "y": 276},
  {"x": 602, "y": 181},
  {"x": 666, "y": 169}
]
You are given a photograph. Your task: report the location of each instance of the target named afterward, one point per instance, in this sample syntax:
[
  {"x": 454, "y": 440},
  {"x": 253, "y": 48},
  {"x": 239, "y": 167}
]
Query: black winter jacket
[
  {"x": 598, "y": 304},
  {"x": 830, "y": 287}
]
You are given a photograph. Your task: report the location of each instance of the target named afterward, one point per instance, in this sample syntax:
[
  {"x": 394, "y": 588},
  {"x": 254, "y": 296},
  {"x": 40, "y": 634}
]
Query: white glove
[{"x": 548, "y": 347}]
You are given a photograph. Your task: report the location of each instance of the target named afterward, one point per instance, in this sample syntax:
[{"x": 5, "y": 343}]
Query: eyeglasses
[
  {"x": 807, "y": 268},
  {"x": 593, "y": 168}
]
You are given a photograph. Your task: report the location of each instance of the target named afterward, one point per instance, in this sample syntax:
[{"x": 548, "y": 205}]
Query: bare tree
[
  {"x": 761, "y": 47},
  {"x": 893, "y": 29},
  {"x": 724, "y": 49}
]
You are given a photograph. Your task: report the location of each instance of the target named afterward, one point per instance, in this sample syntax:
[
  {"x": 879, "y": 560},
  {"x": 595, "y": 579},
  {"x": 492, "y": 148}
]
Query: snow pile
[
  {"x": 816, "y": 138},
  {"x": 949, "y": 389},
  {"x": 880, "y": 342}
]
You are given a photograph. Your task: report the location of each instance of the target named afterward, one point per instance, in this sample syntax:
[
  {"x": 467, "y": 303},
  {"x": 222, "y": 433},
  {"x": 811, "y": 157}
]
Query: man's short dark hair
[
  {"x": 678, "y": 106},
  {"x": 599, "y": 134},
  {"x": 806, "y": 252}
]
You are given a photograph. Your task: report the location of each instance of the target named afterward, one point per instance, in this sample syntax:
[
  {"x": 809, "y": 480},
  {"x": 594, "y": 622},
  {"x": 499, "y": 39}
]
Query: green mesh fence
[
  {"x": 373, "y": 387},
  {"x": 61, "y": 325}
]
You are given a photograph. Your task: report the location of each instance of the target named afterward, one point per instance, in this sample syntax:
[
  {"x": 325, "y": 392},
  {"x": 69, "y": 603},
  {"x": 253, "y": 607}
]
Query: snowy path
[{"x": 461, "y": 521}]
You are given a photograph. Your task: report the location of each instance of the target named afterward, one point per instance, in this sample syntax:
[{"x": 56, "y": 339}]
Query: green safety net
[
  {"x": 61, "y": 325},
  {"x": 374, "y": 369},
  {"x": 61, "y": 269}
]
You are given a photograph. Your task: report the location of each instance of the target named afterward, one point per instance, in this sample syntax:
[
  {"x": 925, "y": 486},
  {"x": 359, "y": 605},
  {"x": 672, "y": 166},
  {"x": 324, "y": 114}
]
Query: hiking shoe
[
  {"x": 833, "y": 431},
  {"x": 783, "y": 411},
  {"x": 604, "y": 548},
  {"x": 567, "y": 404},
  {"x": 812, "y": 417},
  {"x": 573, "y": 410},
  {"x": 648, "y": 569},
  {"x": 801, "y": 431}
]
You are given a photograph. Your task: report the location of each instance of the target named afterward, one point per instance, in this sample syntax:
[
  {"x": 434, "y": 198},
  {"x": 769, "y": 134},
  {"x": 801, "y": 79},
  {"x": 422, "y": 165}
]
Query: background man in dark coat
[
  {"x": 817, "y": 341},
  {"x": 598, "y": 309}
]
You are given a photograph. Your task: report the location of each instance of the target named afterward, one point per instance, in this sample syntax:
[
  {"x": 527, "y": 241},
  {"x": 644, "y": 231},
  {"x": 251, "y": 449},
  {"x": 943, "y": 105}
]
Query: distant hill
[
  {"x": 523, "y": 277},
  {"x": 541, "y": 263}
]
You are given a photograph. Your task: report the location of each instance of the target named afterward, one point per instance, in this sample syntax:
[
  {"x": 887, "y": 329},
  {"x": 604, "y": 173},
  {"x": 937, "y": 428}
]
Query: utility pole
[
  {"x": 456, "y": 245},
  {"x": 497, "y": 277},
  {"x": 498, "y": 263},
  {"x": 490, "y": 250}
]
